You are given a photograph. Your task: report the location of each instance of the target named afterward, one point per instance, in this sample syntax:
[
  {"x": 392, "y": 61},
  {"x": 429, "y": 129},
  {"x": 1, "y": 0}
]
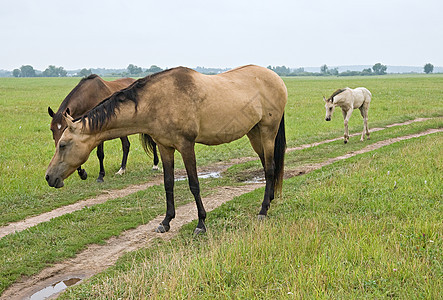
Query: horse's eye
[
  {"x": 62, "y": 145},
  {"x": 330, "y": 108}
]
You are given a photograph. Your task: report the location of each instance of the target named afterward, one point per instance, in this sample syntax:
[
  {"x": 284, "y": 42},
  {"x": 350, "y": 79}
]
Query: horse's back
[
  {"x": 237, "y": 100},
  {"x": 367, "y": 96}
]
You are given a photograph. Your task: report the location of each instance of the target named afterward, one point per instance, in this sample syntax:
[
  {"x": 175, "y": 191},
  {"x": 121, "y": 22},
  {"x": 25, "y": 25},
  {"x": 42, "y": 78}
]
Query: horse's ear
[
  {"x": 69, "y": 120},
  {"x": 50, "y": 112},
  {"x": 324, "y": 98}
]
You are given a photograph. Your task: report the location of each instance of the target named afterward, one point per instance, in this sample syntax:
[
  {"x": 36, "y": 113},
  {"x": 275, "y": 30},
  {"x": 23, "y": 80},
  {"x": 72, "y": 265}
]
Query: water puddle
[
  {"x": 54, "y": 289},
  {"x": 256, "y": 179},
  {"x": 202, "y": 175}
]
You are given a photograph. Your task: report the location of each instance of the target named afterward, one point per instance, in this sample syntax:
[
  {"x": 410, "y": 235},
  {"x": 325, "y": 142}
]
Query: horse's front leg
[
  {"x": 125, "y": 147},
  {"x": 188, "y": 156},
  {"x": 82, "y": 173},
  {"x": 101, "y": 157},
  {"x": 346, "y": 116},
  {"x": 167, "y": 155}
]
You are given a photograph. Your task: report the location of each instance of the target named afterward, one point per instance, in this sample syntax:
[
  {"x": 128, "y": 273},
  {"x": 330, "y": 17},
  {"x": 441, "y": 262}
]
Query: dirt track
[{"x": 96, "y": 258}]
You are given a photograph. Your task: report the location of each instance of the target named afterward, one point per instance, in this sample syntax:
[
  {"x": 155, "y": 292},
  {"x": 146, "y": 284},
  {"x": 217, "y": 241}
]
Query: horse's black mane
[
  {"x": 336, "y": 93},
  {"x": 106, "y": 109}
]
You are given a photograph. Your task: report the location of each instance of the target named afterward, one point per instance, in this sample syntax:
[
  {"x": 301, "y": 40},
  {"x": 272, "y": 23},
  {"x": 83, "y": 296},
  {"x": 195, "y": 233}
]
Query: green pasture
[
  {"x": 26, "y": 144},
  {"x": 27, "y": 147}
]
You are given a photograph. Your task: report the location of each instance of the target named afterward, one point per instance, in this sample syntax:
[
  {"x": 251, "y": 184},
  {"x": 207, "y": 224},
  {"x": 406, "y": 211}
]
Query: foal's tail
[
  {"x": 148, "y": 144},
  {"x": 279, "y": 157}
]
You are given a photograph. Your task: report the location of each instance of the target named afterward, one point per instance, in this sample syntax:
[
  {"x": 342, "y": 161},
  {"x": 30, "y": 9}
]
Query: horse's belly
[{"x": 224, "y": 126}]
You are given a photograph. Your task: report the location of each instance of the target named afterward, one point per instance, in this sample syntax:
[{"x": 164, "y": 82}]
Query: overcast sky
[{"x": 297, "y": 33}]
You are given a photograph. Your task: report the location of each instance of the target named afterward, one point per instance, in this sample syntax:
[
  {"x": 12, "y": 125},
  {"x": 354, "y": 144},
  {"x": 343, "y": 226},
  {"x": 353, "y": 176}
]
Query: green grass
[{"x": 367, "y": 227}]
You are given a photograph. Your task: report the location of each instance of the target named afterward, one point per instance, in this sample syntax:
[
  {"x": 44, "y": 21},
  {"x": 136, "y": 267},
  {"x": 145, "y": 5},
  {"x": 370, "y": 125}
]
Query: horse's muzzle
[{"x": 55, "y": 182}]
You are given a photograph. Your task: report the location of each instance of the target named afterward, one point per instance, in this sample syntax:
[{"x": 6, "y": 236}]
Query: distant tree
[
  {"x": 27, "y": 71},
  {"x": 324, "y": 69},
  {"x": 53, "y": 71},
  {"x": 428, "y": 68},
  {"x": 367, "y": 71},
  {"x": 85, "y": 72},
  {"x": 333, "y": 71},
  {"x": 154, "y": 69},
  {"x": 16, "y": 73},
  {"x": 134, "y": 70},
  {"x": 379, "y": 69},
  {"x": 280, "y": 70}
]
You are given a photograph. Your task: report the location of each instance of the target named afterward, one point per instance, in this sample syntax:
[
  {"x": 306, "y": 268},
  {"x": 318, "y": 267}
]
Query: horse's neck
[
  {"x": 88, "y": 97},
  {"x": 123, "y": 123}
]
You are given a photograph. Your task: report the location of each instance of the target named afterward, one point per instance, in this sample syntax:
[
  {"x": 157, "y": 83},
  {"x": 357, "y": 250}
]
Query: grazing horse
[
  {"x": 350, "y": 99},
  {"x": 178, "y": 108},
  {"x": 88, "y": 93}
]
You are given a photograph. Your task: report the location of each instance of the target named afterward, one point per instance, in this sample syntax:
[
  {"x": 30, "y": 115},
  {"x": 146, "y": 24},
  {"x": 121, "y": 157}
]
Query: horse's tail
[
  {"x": 279, "y": 157},
  {"x": 148, "y": 144}
]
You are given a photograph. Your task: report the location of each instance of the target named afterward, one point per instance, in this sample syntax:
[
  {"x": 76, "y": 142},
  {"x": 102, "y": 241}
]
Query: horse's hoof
[
  {"x": 121, "y": 172},
  {"x": 199, "y": 231},
  {"x": 261, "y": 217},
  {"x": 155, "y": 168},
  {"x": 100, "y": 179},
  {"x": 83, "y": 175},
  {"x": 162, "y": 228},
  {"x": 345, "y": 141}
]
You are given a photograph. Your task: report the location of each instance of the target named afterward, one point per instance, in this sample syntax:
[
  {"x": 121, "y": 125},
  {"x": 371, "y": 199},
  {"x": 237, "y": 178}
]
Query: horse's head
[
  {"x": 329, "y": 105},
  {"x": 58, "y": 124},
  {"x": 72, "y": 150}
]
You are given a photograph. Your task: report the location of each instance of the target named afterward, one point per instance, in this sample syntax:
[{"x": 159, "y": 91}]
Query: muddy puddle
[
  {"x": 54, "y": 289},
  {"x": 202, "y": 175}
]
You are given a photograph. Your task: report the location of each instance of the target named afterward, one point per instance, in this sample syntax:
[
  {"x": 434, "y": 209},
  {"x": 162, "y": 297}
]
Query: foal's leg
[
  {"x": 125, "y": 147},
  {"x": 365, "y": 118},
  {"x": 101, "y": 157},
  {"x": 167, "y": 155},
  {"x": 188, "y": 156},
  {"x": 347, "y": 116},
  {"x": 364, "y": 114}
]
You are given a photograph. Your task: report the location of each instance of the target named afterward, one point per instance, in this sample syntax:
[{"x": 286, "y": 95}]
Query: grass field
[{"x": 27, "y": 147}]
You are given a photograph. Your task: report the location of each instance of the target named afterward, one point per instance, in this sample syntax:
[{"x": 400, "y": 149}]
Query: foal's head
[{"x": 329, "y": 105}]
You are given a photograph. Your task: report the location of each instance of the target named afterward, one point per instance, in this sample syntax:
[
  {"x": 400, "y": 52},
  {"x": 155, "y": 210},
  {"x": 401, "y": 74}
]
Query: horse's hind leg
[
  {"x": 167, "y": 155},
  {"x": 101, "y": 157},
  {"x": 263, "y": 141},
  {"x": 125, "y": 147},
  {"x": 364, "y": 113}
]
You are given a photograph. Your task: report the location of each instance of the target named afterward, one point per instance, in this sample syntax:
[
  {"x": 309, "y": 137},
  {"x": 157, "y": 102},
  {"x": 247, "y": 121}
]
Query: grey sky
[{"x": 114, "y": 33}]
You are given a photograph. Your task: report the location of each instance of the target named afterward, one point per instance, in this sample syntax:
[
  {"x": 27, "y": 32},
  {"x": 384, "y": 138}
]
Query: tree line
[
  {"x": 377, "y": 69},
  {"x": 135, "y": 71}
]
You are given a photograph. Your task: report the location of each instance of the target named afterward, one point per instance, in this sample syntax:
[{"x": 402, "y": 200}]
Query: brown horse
[
  {"x": 88, "y": 93},
  {"x": 178, "y": 108}
]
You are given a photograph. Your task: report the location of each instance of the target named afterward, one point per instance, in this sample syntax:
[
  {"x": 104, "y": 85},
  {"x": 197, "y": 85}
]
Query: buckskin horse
[
  {"x": 350, "y": 99},
  {"x": 88, "y": 93},
  {"x": 178, "y": 108}
]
